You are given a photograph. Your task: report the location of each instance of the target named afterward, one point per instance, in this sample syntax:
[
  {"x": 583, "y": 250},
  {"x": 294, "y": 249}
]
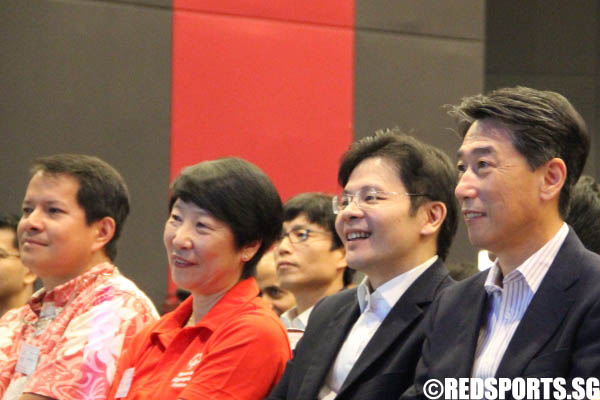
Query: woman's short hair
[{"x": 237, "y": 193}]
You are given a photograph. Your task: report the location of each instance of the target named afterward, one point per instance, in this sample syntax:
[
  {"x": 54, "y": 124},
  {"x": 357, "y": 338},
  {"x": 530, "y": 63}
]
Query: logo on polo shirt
[{"x": 183, "y": 377}]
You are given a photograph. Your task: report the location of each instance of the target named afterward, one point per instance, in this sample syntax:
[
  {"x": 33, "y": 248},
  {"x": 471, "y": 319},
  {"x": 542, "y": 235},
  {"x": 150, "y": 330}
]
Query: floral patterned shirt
[{"x": 76, "y": 332}]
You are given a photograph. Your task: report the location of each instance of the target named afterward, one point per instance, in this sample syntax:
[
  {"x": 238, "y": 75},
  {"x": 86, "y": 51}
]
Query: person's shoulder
[
  {"x": 590, "y": 262},
  {"x": 342, "y": 297},
  {"x": 14, "y": 313},
  {"x": 574, "y": 262},
  {"x": 458, "y": 289},
  {"x": 327, "y": 306},
  {"x": 255, "y": 325},
  {"x": 255, "y": 315},
  {"x": 119, "y": 290},
  {"x": 11, "y": 319}
]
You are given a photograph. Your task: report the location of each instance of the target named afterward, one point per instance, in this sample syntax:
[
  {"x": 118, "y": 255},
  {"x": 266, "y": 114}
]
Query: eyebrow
[
  {"x": 299, "y": 226},
  {"x": 365, "y": 187},
  {"x": 45, "y": 202},
  {"x": 478, "y": 151}
]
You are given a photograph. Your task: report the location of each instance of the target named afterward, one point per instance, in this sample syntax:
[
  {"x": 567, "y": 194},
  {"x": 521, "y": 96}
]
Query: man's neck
[
  {"x": 380, "y": 275},
  {"x": 308, "y": 295},
  {"x": 511, "y": 258},
  {"x": 51, "y": 282}
]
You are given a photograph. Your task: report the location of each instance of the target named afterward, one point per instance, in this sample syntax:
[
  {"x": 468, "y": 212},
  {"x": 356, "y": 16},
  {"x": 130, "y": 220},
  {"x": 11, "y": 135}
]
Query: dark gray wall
[
  {"x": 548, "y": 44},
  {"x": 411, "y": 58},
  {"x": 92, "y": 77}
]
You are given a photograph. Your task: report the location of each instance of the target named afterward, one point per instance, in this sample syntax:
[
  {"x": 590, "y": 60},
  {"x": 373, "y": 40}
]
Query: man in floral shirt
[{"x": 65, "y": 342}]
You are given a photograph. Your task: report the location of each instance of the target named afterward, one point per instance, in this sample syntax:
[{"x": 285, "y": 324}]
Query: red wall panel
[
  {"x": 331, "y": 12},
  {"x": 276, "y": 93}
]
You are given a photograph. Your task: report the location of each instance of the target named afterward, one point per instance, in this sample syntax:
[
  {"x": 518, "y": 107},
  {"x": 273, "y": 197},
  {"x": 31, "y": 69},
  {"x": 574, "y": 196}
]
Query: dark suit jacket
[
  {"x": 559, "y": 335},
  {"x": 386, "y": 366}
]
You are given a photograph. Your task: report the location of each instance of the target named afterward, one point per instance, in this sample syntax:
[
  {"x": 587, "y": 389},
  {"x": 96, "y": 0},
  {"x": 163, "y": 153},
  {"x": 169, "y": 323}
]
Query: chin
[{"x": 356, "y": 263}]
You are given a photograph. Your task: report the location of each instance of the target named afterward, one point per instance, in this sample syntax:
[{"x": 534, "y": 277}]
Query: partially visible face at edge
[
  {"x": 12, "y": 272},
  {"x": 279, "y": 299}
]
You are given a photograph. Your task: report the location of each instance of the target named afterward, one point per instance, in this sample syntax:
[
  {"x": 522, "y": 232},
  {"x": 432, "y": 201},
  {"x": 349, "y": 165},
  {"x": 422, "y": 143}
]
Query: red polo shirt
[{"x": 238, "y": 350}]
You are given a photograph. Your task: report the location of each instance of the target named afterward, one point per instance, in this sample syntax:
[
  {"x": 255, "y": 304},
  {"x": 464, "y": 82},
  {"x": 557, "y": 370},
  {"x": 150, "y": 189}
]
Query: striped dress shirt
[{"x": 508, "y": 299}]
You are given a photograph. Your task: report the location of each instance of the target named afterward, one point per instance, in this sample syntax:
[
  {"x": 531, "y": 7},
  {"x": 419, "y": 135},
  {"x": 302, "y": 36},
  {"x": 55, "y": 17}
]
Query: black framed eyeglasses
[{"x": 299, "y": 234}]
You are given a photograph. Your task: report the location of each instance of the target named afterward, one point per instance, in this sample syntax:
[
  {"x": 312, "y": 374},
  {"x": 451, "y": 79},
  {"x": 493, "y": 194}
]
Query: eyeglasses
[
  {"x": 5, "y": 254},
  {"x": 365, "y": 198},
  {"x": 298, "y": 234}
]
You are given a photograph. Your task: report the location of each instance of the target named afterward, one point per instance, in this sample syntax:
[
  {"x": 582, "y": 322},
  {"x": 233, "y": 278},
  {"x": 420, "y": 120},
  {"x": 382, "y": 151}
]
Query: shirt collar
[
  {"x": 61, "y": 295},
  {"x": 388, "y": 294},
  {"x": 239, "y": 295},
  {"x": 533, "y": 269},
  {"x": 291, "y": 319}
]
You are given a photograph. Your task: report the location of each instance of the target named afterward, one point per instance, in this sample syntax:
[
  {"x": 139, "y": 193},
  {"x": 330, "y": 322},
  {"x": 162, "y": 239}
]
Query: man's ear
[
  {"x": 105, "y": 230},
  {"x": 435, "y": 213},
  {"x": 554, "y": 175},
  {"x": 339, "y": 255}
]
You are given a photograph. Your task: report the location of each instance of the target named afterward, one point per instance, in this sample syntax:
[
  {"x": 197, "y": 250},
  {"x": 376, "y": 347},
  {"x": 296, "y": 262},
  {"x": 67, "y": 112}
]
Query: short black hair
[
  {"x": 422, "y": 168},
  {"x": 318, "y": 210},
  {"x": 10, "y": 222},
  {"x": 102, "y": 190},
  {"x": 584, "y": 212},
  {"x": 237, "y": 193},
  {"x": 543, "y": 125}
]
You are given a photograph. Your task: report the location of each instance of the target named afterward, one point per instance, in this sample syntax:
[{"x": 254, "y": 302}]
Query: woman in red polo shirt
[{"x": 223, "y": 342}]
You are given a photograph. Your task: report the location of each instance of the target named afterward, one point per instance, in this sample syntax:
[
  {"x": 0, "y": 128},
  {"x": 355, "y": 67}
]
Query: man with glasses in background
[
  {"x": 310, "y": 258},
  {"x": 16, "y": 280},
  {"x": 396, "y": 217}
]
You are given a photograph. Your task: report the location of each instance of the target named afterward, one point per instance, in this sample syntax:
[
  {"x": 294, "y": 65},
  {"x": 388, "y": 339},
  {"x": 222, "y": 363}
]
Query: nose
[
  {"x": 283, "y": 246},
  {"x": 33, "y": 221},
  {"x": 181, "y": 238},
  {"x": 351, "y": 211},
  {"x": 466, "y": 188}
]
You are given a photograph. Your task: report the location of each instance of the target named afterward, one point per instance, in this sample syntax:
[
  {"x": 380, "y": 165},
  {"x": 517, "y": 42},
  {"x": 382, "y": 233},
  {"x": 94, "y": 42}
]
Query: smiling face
[
  {"x": 497, "y": 190},
  {"x": 201, "y": 251},
  {"x": 382, "y": 241},
  {"x": 311, "y": 262},
  {"x": 55, "y": 240}
]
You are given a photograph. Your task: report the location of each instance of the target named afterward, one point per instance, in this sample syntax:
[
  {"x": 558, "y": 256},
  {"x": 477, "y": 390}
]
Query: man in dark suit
[
  {"x": 396, "y": 217},
  {"x": 536, "y": 312}
]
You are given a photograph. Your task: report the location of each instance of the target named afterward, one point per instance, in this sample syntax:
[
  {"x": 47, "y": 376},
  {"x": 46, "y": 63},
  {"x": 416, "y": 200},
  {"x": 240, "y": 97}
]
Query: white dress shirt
[
  {"x": 295, "y": 324},
  {"x": 374, "y": 307},
  {"x": 292, "y": 320},
  {"x": 508, "y": 299}
]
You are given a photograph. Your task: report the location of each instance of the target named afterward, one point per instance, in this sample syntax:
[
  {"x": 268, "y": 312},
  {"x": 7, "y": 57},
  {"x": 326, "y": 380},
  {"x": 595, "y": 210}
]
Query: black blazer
[
  {"x": 559, "y": 335},
  {"x": 386, "y": 366}
]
